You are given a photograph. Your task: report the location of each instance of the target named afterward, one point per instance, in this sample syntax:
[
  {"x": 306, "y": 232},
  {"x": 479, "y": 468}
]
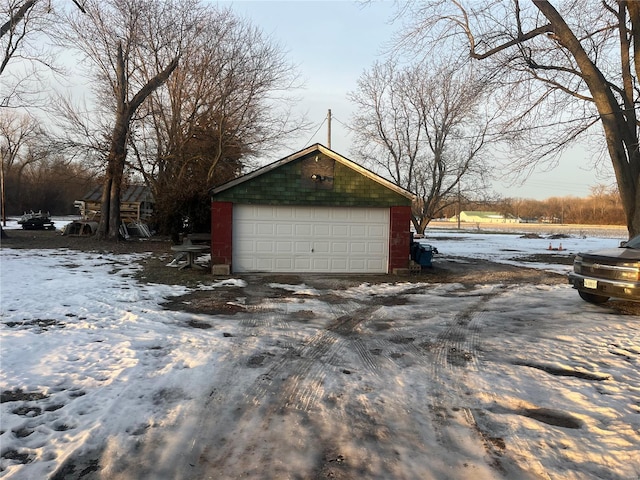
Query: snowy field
[{"x": 400, "y": 380}]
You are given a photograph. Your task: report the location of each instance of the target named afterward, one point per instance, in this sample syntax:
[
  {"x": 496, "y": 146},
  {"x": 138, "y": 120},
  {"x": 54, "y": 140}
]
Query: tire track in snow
[
  {"x": 369, "y": 361},
  {"x": 305, "y": 385},
  {"x": 227, "y": 402},
  {"x": 456, "y": 348},
  {"x": 305, "y": 368}
]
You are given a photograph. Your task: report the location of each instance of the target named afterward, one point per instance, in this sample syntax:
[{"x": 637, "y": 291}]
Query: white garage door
[{"x": 310, "y": 239}]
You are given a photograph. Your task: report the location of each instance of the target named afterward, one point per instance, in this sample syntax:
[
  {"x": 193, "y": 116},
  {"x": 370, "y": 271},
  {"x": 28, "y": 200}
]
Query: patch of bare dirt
[{"x": 50, "y": 239}]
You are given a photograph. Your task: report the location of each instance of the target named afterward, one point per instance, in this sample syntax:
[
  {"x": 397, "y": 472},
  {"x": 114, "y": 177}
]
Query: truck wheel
[{"x": 592, "y": 298}]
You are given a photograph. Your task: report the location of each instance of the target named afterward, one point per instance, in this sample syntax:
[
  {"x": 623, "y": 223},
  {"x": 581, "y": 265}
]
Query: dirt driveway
[{"x": 324, "y": 382}]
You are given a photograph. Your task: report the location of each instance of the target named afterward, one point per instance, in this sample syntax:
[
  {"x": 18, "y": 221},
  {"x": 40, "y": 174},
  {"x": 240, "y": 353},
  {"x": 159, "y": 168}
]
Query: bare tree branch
[
  {"x": 16, "y": 17},
  {"x": 566, "y": 58}
]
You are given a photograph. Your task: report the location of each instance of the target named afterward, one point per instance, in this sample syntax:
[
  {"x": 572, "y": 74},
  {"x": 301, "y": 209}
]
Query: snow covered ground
[{"x": 396, "y": 380}]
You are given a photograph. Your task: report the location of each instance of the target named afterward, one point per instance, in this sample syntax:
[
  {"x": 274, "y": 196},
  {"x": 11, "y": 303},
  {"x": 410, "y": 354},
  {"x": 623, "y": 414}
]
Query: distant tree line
[
  {"x": 602, "y": 207},
  {"x": 50, "y": 185},
  {"x": 35, "y": 175}
]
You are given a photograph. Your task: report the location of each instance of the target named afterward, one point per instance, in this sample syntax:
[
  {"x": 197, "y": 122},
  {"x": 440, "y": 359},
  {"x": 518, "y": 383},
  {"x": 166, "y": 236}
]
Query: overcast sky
[{"x": 333, "y": 42}]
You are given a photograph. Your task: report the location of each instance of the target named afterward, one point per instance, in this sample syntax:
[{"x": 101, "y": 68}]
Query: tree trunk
[
  {"x": 110, "y": 209},
  {"x": 118, "y": 161},
  {"x": 114, "y": 213},
  {"x": 16, "y": 17},
  {"x": 110, "y": 215},
  {"x": 621, "y": 138},
  {"x": 103, "y": 226}
]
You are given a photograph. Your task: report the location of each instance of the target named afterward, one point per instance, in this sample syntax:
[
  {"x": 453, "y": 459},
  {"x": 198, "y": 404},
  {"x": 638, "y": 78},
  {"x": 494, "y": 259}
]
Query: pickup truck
[{"x": 604, "y": 274}]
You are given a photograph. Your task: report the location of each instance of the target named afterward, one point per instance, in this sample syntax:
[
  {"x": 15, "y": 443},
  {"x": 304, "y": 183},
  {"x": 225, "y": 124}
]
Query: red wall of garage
[
  {"x": 221, "y": 233},
  {"x": 399, "y": 237}
]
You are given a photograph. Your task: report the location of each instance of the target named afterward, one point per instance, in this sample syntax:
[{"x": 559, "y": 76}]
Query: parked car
[
  {"x": 603, "y": 274},
  {"x": 36, "y": 221}
]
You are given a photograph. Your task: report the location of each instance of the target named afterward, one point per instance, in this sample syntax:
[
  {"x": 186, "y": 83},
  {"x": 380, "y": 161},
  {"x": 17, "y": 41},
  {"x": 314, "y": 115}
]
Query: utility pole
[
  {"x": 3, "y": 212},
  {"x": 459, "y": 204},
  {"x": 329, "y": 129}
]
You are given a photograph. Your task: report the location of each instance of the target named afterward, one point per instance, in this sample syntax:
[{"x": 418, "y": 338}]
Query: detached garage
[{"x": 311, "y": 212}]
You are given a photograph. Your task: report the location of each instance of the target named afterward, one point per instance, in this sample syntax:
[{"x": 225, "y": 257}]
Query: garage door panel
[
  {"x": 376, "y": 231},
  {"x": 244, "y": 230},
  {"x": 283, "y": 247},
  {"x": 300, "y": 264},
  {"x": 264, "y": 229},
  {"x": 283, "y": 264},
  {"x": 373, "y": 264},
  {"x": 340, "y": 231},
  {"x": 344, "y": 214},
  {"x": 339, "y": 248},
  {"x": 261, "y": 265},
  {"x": 358, "y": 231},
  {"x": 301, "y": 247},
  {"x": 245, "y": 245},
  {"x": 310, "y": 239},
  {"x": 376, "y": 248},
  {"x": 251, "y": 212},
  {"x": 303, "y": 230},
  {"x": 359, "y": 264},
  {"x": 321, "y": 264},
  {"x": 339, "y": 265},
  {"x": 283, "y": 213},
  {"x": 320, "y": 214},
  {"x": 358, "y": 248},
  {"x": 320, "y": 247},
  {"x": 245, "y": 265},
  {"x": 284, "y": 229},
  {"x": 264, "y": 246},
  {"x": 322, "y": 230}
]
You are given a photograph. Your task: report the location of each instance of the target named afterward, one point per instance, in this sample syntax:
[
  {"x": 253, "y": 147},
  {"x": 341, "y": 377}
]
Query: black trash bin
[{"x": 422, "y": 253}]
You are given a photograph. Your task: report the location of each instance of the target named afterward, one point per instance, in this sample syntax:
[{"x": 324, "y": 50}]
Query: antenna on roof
[{"x": 329, "y": 129}]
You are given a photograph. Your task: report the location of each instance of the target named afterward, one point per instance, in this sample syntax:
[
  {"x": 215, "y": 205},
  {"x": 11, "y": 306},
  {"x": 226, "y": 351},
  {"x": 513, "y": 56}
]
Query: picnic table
[{"x": 192, "y": 252}]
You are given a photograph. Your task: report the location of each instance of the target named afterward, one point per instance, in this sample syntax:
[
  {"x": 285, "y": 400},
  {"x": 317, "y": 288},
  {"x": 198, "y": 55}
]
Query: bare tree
[
  {"x": 133, "y": 47},
  {"x": 26, "y": 25},
  {"x": 15, "y": 13},
  {"x": 566, "y": 70},
  {"x": 230, "y": 98},
  {"x": 423, "y": 127},
  {"x": 19, "y": 135}
]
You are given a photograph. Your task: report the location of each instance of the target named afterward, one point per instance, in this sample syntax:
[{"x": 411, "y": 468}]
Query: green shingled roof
[{"x": 313, "y": 176}]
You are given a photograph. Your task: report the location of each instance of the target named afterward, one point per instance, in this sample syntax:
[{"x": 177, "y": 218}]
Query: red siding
[
  {"x": 400, "y": 220},
  {"x": 221, "y": 233}
]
